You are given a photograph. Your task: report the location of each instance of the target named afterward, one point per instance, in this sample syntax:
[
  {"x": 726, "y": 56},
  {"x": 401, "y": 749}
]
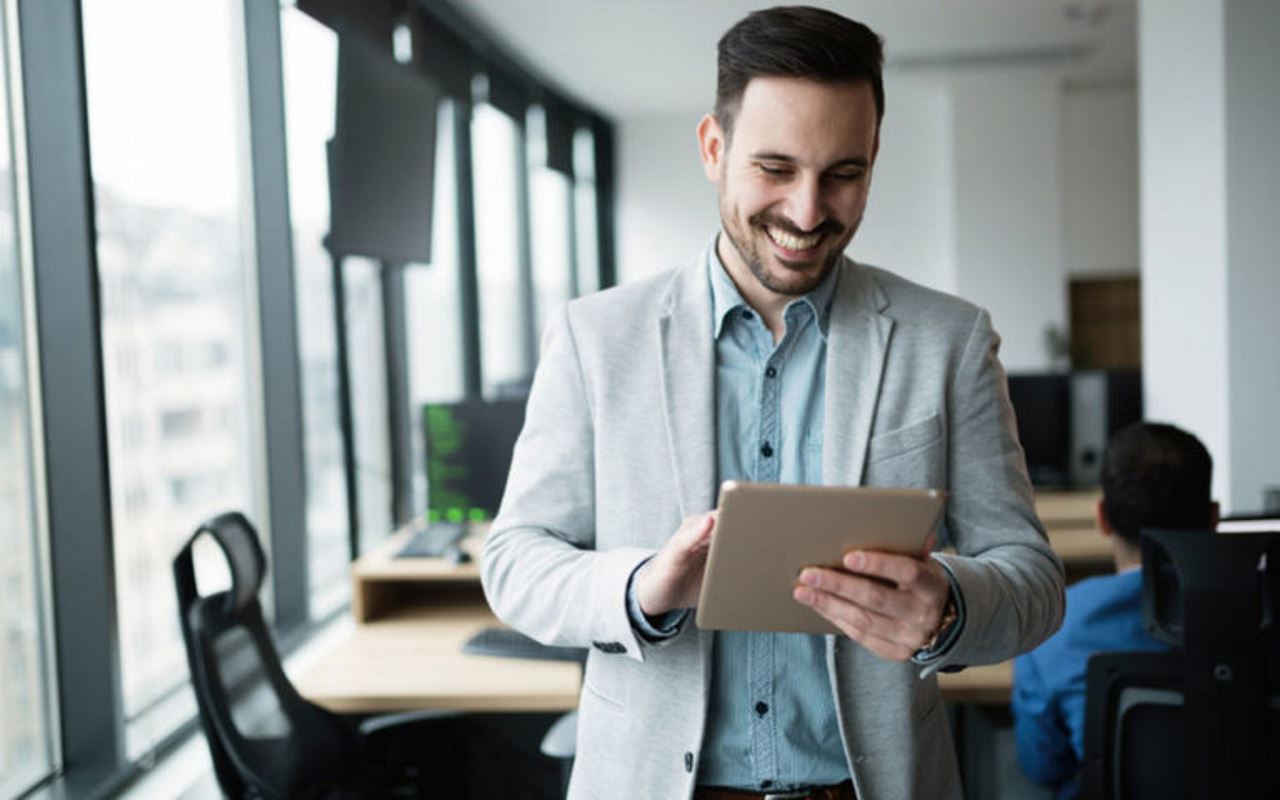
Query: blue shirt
[
  {"x": 1103, "y": 614},
  {"x": 771, "y": 721}
]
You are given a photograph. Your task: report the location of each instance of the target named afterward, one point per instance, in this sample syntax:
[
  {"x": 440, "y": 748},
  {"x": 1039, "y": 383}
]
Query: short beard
[{"x": 755, "y": 263}]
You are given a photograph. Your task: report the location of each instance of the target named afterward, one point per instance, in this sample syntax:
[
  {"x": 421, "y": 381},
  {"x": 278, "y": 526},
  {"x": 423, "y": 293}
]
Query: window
[
  {"x": 25, "y": 747},
  {"x": 495, "y": 163},
  {"x": 433, "y": 310},
  {"x": 550, "y": 227},
  {"x": 369, "y": 399},
  {"x": 166, "y": 110},
  {"x": 585, "y": 209},
  {"x": 310, "y": 53}
]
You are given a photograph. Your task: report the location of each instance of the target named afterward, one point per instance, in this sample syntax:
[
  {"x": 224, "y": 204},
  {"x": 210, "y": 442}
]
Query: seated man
[{"x": 1153, "y": 476}]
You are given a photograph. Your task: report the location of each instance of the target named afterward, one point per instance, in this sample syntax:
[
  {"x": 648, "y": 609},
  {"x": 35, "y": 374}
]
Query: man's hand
[
  {"x": 891, "y": 604},
  {"x": 673, "y": 578}
]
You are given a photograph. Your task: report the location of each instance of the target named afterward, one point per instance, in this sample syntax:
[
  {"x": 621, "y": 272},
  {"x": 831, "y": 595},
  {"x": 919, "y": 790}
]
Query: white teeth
[{"x": 793, "y": 242}]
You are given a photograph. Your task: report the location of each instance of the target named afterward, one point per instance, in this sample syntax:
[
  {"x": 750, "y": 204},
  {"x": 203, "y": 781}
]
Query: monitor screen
[
  {"x": 1250, "y": 524},
  {"x": 1042, "y": 405},
  {"x": 381, "y": 157},
  {"x": 468, "y": 450}
]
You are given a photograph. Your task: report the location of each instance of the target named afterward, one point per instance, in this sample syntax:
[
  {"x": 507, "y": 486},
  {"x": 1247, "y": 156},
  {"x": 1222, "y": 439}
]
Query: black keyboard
[
  {"x": 508, "y": 643},
  {"x": 437, "y": 540}
]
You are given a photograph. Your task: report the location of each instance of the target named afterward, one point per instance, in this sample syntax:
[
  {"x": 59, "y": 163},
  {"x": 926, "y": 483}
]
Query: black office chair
[
  {"x": 1202, "y": 720},
  {"x": 296, "y": 749}
]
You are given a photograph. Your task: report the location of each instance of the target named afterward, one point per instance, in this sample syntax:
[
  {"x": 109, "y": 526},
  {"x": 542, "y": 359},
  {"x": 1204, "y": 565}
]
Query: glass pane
[
  {"x": 310, "y": 53},
  {"x": 495, "y": 143},
  {"x": 170, "y": 163},
  {"x": 584, "y": 211},
  {"x": 24, "y": 717},
  {"x": 369, "y": 399},
  {"x": 433, "y": 307},
  {"x": 552, "y": 258}
]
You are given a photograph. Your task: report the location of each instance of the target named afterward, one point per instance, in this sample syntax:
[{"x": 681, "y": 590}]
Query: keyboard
[
  {"x": 437, "y": 540},
  {"x": 507, "y": 643}
]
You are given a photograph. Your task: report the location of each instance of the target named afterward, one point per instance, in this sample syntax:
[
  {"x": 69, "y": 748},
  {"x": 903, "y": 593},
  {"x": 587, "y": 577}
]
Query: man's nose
[{"x": 804, "y": 206}]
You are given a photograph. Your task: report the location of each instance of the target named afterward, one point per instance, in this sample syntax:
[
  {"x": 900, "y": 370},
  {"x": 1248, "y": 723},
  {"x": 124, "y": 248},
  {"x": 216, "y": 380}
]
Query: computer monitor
[
  {"x": 1042, "y": 405},
  {"x": 1066, "y": 419},
  {"x": 468, "y": 452}
]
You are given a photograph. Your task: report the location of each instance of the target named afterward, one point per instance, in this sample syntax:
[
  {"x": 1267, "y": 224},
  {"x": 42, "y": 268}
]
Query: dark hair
[
  {"x": 796, "y": 42},
  {"x": 1156, "y": 476}
]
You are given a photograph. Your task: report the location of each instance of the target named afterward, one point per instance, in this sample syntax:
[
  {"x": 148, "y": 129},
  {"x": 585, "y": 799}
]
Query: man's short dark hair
[
  {"x": 1156, "y": 476},
  {"x": 796, "y": 42}
]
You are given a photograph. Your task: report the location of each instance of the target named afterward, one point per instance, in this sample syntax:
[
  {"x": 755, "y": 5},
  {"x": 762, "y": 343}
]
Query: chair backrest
[
  {"x": 1202, "y": 720},
  {"x": 231, "y": 655}
]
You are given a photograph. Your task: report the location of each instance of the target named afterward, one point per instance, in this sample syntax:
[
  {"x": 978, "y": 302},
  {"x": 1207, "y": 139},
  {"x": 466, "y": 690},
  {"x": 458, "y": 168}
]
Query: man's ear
[
  {"x": 1104, "y": 524},
  {"x": 712, "y": 147},
  {"x": 1214, "y": 515}
]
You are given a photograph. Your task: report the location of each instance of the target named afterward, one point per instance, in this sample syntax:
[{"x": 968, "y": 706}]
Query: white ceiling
[{"x": 629, "y": 57}]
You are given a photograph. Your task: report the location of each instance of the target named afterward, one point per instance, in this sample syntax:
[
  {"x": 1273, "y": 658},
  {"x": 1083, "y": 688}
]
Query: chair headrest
[
  {"x": 239, "y": 542},
  {"x": 1201, "y": 587}
]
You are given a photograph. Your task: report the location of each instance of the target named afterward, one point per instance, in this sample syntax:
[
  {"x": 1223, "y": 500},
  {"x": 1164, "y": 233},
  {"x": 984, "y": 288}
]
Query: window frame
[{"x": 57, "y": 240}]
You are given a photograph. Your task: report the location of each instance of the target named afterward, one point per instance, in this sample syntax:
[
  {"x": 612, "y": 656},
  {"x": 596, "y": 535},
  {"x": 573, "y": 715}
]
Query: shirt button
[
  {"x": 766, "y": 450},
  {"x": 770, "y": 372},
  {"x": 765, "y": 784},
  {"x": 762, "y": 708},
  {"x": 688, "y": 762},
  {"x": 747, "y": 314}
]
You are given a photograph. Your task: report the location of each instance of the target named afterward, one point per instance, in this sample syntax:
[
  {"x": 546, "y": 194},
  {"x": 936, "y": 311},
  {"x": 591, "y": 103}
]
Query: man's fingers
[
  {"x": 929, "y": 545},
  {"x": 706, "y": 526},
  {"x": 899, "y": 569},
  {"x": 882, "y": 635},
  {"x": 869, "y": 593}
]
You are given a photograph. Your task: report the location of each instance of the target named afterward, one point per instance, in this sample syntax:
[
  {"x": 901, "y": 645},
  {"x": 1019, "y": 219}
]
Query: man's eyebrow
[{"x": 855, "y": 161}]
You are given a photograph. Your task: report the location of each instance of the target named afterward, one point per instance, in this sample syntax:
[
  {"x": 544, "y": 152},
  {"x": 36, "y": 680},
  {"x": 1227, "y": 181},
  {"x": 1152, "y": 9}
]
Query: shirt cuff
[
  {"x": 653, "y": 629},
  {"x": 948, "y": 638}
]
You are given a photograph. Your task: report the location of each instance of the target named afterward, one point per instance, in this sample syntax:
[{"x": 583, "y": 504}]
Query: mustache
[{"x": 773, "y": 221}]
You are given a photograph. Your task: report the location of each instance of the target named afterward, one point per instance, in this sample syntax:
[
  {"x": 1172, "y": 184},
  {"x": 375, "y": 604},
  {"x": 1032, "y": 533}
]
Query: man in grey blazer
[{"x": 770, "y": 357}]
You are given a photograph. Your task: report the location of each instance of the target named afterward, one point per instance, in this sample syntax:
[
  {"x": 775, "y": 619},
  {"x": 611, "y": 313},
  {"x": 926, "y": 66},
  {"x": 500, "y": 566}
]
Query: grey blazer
[{"x": 619, "y": 446}]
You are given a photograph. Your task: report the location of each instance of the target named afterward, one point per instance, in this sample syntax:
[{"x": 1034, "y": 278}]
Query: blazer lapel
[
  {"x": 856, "y": 350},
  {"x": 688, "y": 392}
]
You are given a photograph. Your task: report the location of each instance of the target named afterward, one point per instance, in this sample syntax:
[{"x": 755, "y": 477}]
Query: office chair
[
  {"x": 297, "y": 749},
  {"x": 1202, "y": 720}
]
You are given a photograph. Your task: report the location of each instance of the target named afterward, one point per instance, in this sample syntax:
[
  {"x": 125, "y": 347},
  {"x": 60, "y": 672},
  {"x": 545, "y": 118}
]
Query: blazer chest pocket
[
  {"x": 910, "y": 456},
  {"x": 901, "y": 441}
]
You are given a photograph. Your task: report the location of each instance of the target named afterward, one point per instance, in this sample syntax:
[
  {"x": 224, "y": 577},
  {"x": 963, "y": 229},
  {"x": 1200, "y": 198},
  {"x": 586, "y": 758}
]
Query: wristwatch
[{"x": 949, "y": 617}]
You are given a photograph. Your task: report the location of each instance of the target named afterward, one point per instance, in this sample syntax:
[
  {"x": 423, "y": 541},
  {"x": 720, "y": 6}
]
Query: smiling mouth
[{"x": 789, "y": 241}]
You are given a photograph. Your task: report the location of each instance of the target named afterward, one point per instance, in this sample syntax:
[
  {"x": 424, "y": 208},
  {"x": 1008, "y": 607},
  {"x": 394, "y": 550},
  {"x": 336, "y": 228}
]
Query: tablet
[{"x": 767, "y": 532}]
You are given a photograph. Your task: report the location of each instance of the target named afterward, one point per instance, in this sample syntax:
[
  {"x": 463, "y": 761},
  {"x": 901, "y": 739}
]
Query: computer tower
[{"x": 1102, "y": 402}]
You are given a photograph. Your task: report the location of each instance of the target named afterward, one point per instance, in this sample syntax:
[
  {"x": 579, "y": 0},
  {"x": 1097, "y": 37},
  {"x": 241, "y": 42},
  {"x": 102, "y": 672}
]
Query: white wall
[
  {"x": 1210, "y": 109},
  {"x": 1253, "y": 249},
  {"x": 1184, "y": 222},
  {"x": 909, "y": 225},
  {"x": 667, "y": 208},
  {"x": 1100, "y": 180},
  {"x": 1008, "y": 208}
]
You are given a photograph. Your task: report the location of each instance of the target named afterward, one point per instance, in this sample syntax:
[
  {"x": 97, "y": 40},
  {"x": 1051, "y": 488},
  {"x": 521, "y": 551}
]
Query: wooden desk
[
  {"x": 405, "y": 651},
  {"x": 1068, "y": 518},
  {"x": 988, "y": 685},
  {"x": 412, "y": 616}
]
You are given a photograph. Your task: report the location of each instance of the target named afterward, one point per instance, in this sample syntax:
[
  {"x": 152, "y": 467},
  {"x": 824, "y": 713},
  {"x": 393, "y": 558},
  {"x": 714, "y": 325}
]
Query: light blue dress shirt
[{"x": 771, "y": 722}]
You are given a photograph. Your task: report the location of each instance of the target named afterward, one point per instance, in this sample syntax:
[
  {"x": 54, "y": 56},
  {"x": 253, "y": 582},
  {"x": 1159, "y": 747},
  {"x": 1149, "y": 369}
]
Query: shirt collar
[{"x": 725, "y": 297}]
